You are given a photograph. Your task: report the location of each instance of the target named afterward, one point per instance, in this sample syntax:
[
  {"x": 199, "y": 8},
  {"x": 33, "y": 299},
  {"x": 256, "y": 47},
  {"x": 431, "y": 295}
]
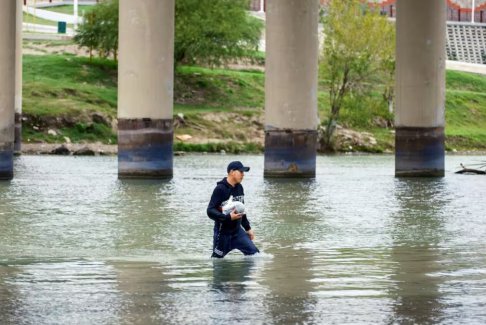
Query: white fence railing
[{"x": 466, "y": 42}]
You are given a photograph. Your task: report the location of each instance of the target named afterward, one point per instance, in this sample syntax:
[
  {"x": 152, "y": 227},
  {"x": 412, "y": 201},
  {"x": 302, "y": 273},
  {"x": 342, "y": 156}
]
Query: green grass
[
  {"x": 360, "y": 112},
  {"x": 194, "y": 110},
  {"x": 49, "y": 47},
  {"x": 466, "y": 81},
  {"x": 49, "y": 43},
  {"x": 69, "y": 9},
  {"x": 466, "y": 118},
  {"x": 28, "y": 18},
  {"x": 465, "y": 111},
  {"x": 91, "y": 132},
  {"x": 66, "y": 83},
  {"x": 230, "y": 147},
  {"x": 218, "y": 88},
  {"x": 71, "y": 89}
]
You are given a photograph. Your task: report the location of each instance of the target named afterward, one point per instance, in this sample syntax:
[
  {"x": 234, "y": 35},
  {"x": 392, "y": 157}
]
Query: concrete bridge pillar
[
  {"x": 7, "y": 87},
  {"x": 145, "y": 89},
  {"x": 420, "y": 86},
  {"x": 18, "y": 79},
  {"x": 291, "y": 88}
]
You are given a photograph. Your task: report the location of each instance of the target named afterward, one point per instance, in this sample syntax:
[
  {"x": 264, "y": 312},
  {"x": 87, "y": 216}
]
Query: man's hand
[
  {"x": 235, "y": 215},
  {"x": 251, "y": 234}
]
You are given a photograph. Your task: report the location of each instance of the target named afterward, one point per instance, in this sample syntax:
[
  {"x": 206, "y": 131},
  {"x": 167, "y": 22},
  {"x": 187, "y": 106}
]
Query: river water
[{"x": 354, "y": 245}]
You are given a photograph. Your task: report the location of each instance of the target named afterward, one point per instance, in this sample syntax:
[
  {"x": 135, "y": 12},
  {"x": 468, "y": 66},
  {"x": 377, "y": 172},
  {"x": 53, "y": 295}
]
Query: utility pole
[{"x": 75, "y": 14}]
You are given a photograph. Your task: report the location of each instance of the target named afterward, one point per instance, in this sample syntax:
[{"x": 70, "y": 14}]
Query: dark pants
[{"x": 225, "y": 243}]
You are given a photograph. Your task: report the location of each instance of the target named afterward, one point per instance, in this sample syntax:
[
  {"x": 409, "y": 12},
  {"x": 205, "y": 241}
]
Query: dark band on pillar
[
  {"x": 18, "y": 133},
  {"x": 145, "y": 148},
  {"x": 6, "y": 161},
  {"x": 290, "y": 153},
  {"x": 419, "y": 151}
]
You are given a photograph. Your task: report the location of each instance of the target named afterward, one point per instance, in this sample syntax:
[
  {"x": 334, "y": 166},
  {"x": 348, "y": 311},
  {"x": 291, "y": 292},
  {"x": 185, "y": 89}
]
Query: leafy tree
[
  {"x": 211, "y": 32},
  {"x": 86, "y": 34},
  {"x": 100, "y": 29},
  {"x": 214, "y": 32},
  {"x": 358, "y": 53}
]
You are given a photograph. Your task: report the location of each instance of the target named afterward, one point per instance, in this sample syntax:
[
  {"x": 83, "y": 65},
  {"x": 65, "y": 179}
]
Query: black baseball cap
[{"x": 237, "y": 165}]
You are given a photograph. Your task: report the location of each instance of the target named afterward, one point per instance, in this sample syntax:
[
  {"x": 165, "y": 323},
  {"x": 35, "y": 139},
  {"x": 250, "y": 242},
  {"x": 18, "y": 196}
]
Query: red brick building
[{"x": 457, "y": 10}]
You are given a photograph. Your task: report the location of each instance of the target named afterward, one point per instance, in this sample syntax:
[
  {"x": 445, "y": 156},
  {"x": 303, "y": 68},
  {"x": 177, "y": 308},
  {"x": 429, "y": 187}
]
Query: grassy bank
[
  {"x": 61, "y": 93},
  {"x": 465, "y": 111},
  {"x": 31, "y": 19},
  {"x": 218, "y": 109},
  {"x": 76, "y": 98},
  {"x": 65, "y": 9},
  {"x": 69, "y": 9}
]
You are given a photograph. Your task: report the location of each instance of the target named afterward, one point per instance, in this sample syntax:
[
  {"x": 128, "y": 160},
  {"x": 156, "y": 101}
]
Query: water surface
[{"x": 354, "y": 245}]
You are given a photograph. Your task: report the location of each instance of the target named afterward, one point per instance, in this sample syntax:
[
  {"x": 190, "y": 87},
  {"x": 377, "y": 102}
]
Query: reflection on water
[
  {"x": 418, "y": 231},
  {"x": 231, "y": 286},
  {"x": 8, "y": 296},
  {"x": 354, "y": 245},
  {"x": 232, "y": 277},
  {"x": 57, "y": 292},
  {"x": 149, "y": 201},
  {"x": 139, "y": 286},
  {"x": 287, "y": 276}
]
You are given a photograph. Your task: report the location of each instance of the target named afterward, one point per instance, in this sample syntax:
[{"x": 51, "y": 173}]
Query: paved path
[
  {"x": 466, "y": 67},
  {"x": 45, "y": 29},
  {"x": 45, "y": 37},
  {"x": 53, "y": 16},
  {"x": 62, "y": 3}
]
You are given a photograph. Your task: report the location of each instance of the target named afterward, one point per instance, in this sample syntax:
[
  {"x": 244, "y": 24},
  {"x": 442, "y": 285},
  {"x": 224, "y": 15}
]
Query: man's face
[{"x": 237, "y": 175}]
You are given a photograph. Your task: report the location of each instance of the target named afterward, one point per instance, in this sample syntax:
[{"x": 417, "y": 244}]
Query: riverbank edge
[{"x": 100, "y": 149}]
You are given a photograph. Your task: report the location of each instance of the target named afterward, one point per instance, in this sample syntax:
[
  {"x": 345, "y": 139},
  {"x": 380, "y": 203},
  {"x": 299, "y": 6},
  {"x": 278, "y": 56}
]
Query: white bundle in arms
[{"x": 231, "y": 205}]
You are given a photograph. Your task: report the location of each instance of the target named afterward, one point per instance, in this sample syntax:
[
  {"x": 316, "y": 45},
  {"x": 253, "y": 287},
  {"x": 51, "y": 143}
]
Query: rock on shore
[{"x": 77, "y": 149}]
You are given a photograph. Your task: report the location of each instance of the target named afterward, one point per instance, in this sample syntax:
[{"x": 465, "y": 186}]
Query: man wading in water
[{"x": 228, "y": 231}]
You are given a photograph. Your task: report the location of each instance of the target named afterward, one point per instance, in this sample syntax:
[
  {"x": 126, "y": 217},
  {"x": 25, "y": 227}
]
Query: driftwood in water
[{"x": 470, "y": 171}]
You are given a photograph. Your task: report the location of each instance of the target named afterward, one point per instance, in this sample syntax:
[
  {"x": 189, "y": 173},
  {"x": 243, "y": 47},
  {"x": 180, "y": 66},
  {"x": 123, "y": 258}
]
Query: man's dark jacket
[{"x": 221, "y": 194}]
